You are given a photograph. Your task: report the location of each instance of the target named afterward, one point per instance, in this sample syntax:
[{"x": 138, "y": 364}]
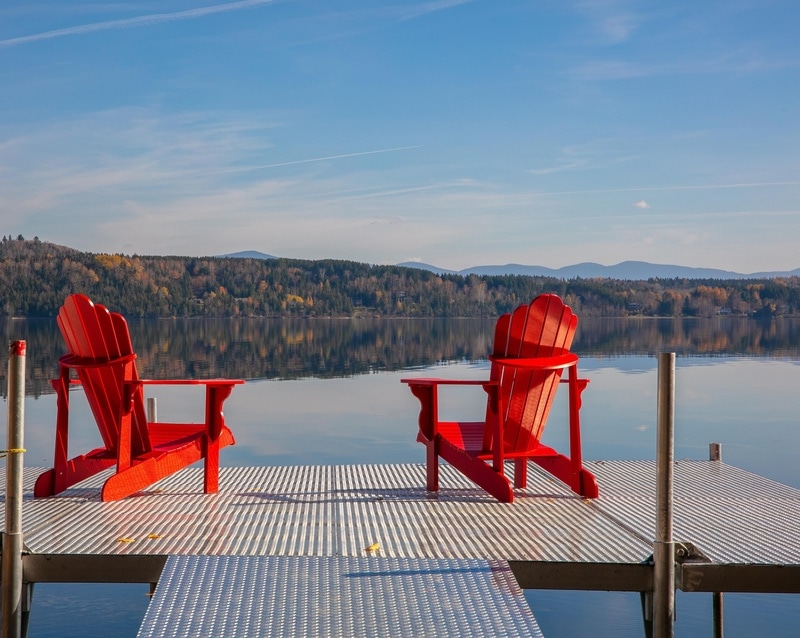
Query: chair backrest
[
  {"x": 94, "y": 334},
  {"x": 536, "y": 330}
]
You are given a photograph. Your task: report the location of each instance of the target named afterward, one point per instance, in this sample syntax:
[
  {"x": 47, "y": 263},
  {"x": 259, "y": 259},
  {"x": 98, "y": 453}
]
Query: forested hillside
[{"x": 36, "y": 276}]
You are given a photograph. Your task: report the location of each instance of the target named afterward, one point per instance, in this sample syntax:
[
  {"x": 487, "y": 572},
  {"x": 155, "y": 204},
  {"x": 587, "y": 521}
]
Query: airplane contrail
[
  {"x": 139, "y": 21},
  {"x": 320, "y": 159},
  {"x": 672, "y": 188},
  {"x": 156, "y": 18}
]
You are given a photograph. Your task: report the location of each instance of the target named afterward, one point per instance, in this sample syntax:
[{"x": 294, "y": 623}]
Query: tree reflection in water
[{"x": 328, "y": 348}]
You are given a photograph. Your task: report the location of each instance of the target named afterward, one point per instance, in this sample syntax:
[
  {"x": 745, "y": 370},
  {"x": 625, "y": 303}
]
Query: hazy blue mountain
[
  {"x": 630, "y": 270},
  {"x": 434, "y": 269},
  {"x": 249, "y": 254}
]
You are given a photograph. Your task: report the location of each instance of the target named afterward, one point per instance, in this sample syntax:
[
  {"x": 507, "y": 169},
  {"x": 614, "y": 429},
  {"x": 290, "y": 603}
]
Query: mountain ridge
[
  {"x": 626, "y": 270},
  {"x": 248, "y": 254},
  {"x": 629, "y": 270}
]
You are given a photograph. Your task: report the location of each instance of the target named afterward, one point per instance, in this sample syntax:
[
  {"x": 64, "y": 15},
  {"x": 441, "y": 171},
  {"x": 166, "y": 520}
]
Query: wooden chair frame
[
  {"x": 102, "y": 359},
  {"x": 513, "y": 425}
]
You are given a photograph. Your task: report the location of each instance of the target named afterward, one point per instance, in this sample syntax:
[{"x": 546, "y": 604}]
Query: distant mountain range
[
  {"x": 249, "y": 254},
  {"x": 626, "y": 270}
]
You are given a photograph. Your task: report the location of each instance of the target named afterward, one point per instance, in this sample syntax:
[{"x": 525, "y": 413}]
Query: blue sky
[{"x": 454, "y": 132}]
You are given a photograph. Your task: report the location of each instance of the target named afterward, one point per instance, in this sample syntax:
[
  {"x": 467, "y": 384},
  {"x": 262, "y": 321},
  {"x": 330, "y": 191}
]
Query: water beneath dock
[{"x": 747, "y": 401}]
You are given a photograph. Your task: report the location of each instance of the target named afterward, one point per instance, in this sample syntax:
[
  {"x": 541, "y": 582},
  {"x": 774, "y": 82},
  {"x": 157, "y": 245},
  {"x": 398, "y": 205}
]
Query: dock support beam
[
  {"x": 664, "y": 546},
  {"x": 12, "y": 587}
]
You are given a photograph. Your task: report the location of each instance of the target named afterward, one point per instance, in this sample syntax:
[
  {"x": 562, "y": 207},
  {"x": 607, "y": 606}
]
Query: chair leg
[
  {"x": 144, "y": 473},
  {"x": 478, "y": 471},
  {"x": 73, "y": 471},
  {"x": 520, "y": 473},
  {"x": 61, "y": 467},
  {"x": 581, "y": 481},
  {"x": 211, "y": 467},
  {"x": 432, "y": 463}
]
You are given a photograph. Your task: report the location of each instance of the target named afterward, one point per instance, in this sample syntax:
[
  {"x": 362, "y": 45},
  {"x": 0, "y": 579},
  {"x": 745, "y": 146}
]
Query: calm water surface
[{"x": 329, "y": 392}]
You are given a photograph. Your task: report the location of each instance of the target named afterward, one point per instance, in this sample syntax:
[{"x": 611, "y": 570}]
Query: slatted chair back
[
  {"x": 93, "y": 333},
  {"x": 541, "y": 329}
]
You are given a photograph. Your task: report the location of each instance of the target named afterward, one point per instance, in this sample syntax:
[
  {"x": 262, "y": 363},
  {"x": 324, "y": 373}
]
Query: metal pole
[
  {"x": 12, "y": 538},
  {"x": 715, "y": 454},
  {"x": 152, "y": 410},
  {"x": 664, "y": 546},
  {"x": 719, "y": 625}
]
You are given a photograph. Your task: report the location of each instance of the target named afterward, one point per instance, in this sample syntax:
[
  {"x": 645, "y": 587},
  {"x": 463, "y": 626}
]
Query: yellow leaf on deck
[
  {"x": 154, "y": 536},
  {"x": 126, "y": 540},
  {"x": 373, "y": 548}
]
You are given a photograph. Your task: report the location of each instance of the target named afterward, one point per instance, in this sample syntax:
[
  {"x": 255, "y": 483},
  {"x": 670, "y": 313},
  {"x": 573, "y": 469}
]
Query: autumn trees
[{"x": 36, "y": 276}]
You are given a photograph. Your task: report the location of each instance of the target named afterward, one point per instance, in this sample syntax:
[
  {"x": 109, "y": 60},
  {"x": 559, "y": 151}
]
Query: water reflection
[
  {"x": 689, "y": 337},
  {"x": 328, "y": 348},
  {"x": 313, "y": 399}
]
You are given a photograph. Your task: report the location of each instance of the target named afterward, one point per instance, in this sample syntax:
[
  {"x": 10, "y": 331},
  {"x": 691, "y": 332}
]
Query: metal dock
[{"x": 366, "y": 550}]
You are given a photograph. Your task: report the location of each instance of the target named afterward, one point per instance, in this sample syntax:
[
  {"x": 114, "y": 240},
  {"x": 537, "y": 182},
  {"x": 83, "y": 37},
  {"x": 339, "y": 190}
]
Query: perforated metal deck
[
  {"x": 331, "y": 511},
  {"x": 297, "y": 597},
  {"x": 282, "y": 538}
]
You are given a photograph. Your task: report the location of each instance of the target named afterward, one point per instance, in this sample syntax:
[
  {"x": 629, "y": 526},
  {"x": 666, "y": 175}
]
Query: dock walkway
[{"x": 365, "y": 550}]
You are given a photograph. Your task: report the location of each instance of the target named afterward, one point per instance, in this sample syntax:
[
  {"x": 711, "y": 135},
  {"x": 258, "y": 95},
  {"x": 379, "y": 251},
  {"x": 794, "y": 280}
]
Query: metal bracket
[{"x": 687, "y": 552}]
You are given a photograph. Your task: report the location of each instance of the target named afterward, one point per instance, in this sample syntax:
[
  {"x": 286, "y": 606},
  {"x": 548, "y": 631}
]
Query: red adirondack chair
[
  {"x": 530, "y": 352},
  {"x": 100, "y": 352}
]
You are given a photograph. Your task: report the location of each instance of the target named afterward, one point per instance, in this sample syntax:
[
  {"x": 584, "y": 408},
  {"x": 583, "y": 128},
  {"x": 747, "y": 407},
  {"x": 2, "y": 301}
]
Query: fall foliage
[{"x": 36, "y": 276}]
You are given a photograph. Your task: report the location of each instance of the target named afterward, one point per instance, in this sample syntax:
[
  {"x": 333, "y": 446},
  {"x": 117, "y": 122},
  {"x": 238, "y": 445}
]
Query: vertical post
[
  {"x": 715, "y": 454},
  {"x": 719, "y": 625},
  {"x": 152, "y": 410},
  {"x": 664, "y": 546},
  {"x": 12, "y": 607}
]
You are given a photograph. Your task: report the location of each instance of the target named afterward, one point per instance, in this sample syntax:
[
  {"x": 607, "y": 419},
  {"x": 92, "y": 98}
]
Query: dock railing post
[
  {"x": 664, "y": 546},
  {"x": 12, "y": 602},
  {"x": 715, "y": 454},
  {"x": 152, "y": 410}
]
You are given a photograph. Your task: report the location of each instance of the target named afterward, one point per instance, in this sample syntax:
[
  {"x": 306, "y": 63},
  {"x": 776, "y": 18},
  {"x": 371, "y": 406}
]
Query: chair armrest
[
  {"x": 206, "y": 382},
  {"x": 426, "y": 389},
  {"x": 556, "y": 362},
  {"x": 489, "y": 386},
  {"x": 75, "y": 362},
  {"x": 431, "y": 381},
  {"x": 217, "y": 391}
]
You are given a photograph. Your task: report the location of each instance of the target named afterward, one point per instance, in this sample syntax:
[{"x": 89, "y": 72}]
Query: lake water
[{"x": 329, "y": 392}]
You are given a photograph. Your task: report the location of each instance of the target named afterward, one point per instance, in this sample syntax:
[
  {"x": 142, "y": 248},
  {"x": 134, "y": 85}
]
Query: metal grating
[
  {"x": 300, "y": 597},
  {"x": 332, "y": 511},
  {"x": 283, "y": 550},
  {"x": 732, "y": 515}
]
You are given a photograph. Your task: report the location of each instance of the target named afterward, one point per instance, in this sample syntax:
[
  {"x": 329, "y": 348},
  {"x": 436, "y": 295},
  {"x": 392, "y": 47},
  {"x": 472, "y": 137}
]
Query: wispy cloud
[
  {"x": 138, "y": 21},
  {"x": 320, "y": 159},
  {"x": 592, "y": 155},
  {"x": 641, "y": 204},
  {"x": 640, "y": 189},
  {"x": 743, "y": 60},
  {"x": 399, "y": 13},
  {"x": 619, "y": 28},
  {"x": 610, "y": 20},
  {"x": 425, "y": 8}
]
